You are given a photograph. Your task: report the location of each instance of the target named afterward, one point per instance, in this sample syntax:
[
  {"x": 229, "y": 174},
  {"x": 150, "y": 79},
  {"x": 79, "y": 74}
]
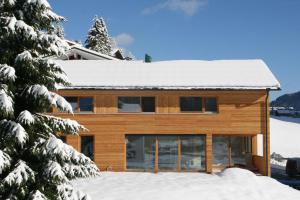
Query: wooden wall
[{"x": 240, "y": 113}]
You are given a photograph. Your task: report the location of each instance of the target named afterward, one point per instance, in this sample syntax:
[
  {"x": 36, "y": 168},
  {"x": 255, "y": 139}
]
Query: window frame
[
  {"x": 80, "y": 143},
  {"x": 77, "y": 110},
  {"x": 141, "y": 105},
  {"x": 203, "y": 110},
  {"x": 178, "y": 140}
]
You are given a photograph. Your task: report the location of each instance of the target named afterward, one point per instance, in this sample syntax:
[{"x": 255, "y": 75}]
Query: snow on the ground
[
  {"x": 232, "y": 184},
  {"x": 285, "y": 136}
]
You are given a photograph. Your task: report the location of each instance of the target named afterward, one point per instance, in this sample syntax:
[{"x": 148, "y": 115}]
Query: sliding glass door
[
  {"x": 231, "y": 150},
  {"x": 140, "y": 152},
  {"x": 165, "y": 152},
  {"x": 192, "y": 152}
]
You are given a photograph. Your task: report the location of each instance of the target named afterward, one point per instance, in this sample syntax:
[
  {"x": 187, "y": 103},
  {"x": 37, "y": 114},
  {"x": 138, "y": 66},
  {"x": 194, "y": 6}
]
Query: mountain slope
[{"x": 288, "y": 100}]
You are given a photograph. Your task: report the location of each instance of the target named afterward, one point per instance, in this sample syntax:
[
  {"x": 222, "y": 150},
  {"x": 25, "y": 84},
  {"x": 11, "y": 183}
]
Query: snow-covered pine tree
[
  {"x": 34, "y": 163},
  {"x": 98, "y": 38},
  {"x": 59, "y": 31}
]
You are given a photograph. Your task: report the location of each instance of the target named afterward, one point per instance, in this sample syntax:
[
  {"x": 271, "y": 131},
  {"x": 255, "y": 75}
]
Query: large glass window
[
  {"x": 167, "y": 152},
  {"x": 231, "y": 150},
  {"x": 82, "y": 104},
  {"x": 140, "y": 152},
  {"x": 87, "y": 146},
  {"x": 161, "y": 152},
  {"x": 192, "y": 152},
  {"x": 73, "y": 101},
  {"x": 136, "y": 104},
  {"x": 211, "y": 104},
  {"x": 190, "y": 104},
  {"x": 86, "y": 104},
  {"x": 220, "y": 151},
  {"x": 129, "y": 104}
]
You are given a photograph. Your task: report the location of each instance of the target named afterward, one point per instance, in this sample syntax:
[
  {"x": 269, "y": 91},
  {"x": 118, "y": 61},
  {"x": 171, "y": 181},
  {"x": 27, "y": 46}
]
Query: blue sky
[{"x": 198, "y": 29}]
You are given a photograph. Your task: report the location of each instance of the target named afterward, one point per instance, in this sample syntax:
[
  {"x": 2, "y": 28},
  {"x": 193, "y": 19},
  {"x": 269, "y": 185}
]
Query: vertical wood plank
[{"x": 208, "y": 144}]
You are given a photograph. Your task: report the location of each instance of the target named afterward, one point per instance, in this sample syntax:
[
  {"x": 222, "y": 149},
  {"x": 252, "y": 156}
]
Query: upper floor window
[
  {"x": 86, "y": 104},
  {"x": 73, "y": 101},
  {"x": 81, "y": 104},
  {"x": 211, "y": 104},
  {"x": 198, "y": 104},
  {"x": 136, "y": 104},
  {"x": 190, "y": 104}
]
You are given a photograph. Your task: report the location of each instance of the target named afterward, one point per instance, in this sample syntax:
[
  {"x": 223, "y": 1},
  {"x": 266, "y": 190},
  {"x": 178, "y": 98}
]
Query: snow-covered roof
[
  {"x": 177, "y": 74},
  {"x": 85, "y": 53}
]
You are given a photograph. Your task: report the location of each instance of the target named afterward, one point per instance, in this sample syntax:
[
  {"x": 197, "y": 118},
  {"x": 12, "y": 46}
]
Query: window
[
  {"x": 73, "y": 101},
  {"x": 232, "y": 150},
  {"x": 63, "y": 138},
  {"x": 136, "y": 104},
  {"x": 165, "y": 152},
  {"x": 198, "y": 104},
  {"x": 211, "y": 104},
  {"x": 191, "y": 104},
  {"x": 140, "y": 152},
  {"x": 148, "y": 104},
  {"x": 192, "y": 152},
  {"x": 87, "y": 146},
  {"x": 86, "y": 104},
  {"x": 81, "y": 104}
]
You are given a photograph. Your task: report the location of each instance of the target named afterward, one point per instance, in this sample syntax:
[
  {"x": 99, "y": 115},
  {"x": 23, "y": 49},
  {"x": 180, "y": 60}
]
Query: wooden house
[{"x": 171, "y": 115}]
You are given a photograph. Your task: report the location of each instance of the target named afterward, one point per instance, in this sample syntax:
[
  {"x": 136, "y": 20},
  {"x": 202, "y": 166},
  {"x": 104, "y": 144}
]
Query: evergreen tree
[
  {"x": 34, "y": 163},
  {"x": 59, "y": 31},
  {"x": 98, "y": 38}
]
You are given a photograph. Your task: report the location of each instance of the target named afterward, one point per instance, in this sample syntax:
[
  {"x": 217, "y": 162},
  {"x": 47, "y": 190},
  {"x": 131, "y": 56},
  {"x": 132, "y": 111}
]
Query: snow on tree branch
[
  {"x": 13, "y": 131},
  {"x": 14, "y": 26},
  {"x": 61, "y": 103},
  {"x": 53, "y": 172},
  {"x": 9, "y": 3},
  {"x": 25, "y": 56},
  {"x": 21, "y": 174},
  {"x": 6, "y": 102},
  {"x": 7, "y": 73},
  {"x": 66, "y": 191},
  {"x": 4, "y": 161},
  {"x": 25, "y": 117},
  {"x": 58, "y": 124},
  {"x": 37, "y": 195}
]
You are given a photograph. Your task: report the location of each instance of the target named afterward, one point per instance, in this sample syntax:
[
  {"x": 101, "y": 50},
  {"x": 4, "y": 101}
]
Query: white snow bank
[
  {"x": 232, "y": 184},
  {"x": 177, "y": 74},
  {"x": 285, "y": 136}
]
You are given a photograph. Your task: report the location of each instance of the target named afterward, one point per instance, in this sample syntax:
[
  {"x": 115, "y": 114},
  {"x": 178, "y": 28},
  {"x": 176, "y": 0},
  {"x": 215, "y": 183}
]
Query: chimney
[{"x": 148, "y": 58}]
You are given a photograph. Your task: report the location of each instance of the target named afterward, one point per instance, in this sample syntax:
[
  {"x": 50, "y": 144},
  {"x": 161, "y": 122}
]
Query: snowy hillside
[
  {"x": 230, "y": 185},
  {"x": 285, "y": 136}
]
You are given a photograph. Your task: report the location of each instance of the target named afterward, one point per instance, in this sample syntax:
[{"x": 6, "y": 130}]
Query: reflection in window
[
  {"x": 211, "y": 104},
  {"x": 73, "y": 101},
  {"x": 192, "y": 152},
  {"x": 86, "y": 104},
  {"x": 221, "y": 151},
  {"x": 136, "y": 104},
  {"x": 190, "y": 104},
  {"x": 167, "y": 152},
  {"x": 148, "y": 104},
  {"x": 140, "y": 152},
  {"x": 129, "y": 104},
  {"x": 87, "y": 146}
]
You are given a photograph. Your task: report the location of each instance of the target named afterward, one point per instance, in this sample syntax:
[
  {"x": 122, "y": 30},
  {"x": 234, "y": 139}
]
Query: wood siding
[{"x": 239, "y": 113}]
